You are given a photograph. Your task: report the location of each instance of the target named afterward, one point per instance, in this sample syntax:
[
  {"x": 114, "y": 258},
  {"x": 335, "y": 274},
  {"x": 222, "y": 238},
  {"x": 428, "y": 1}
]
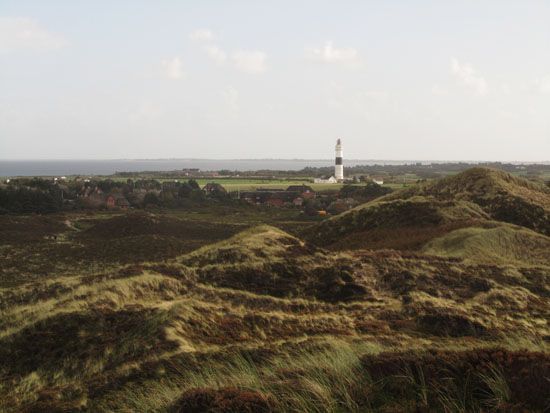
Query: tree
[
  {"x": 26, "y": 200},
  {"x": 184, "y": 191},
  {"x": 364, "y": 192},
  {"x": 151, "y": 199},
  {"x": 193, "y": 184},
  {"x": 215, "y": 190},
  {"x": 311, "y": 206}
]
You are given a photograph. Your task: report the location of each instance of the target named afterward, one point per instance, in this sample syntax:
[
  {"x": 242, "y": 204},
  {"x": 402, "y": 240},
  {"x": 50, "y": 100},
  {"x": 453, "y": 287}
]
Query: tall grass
[
  {"x": 498, "y": 390},
  {"x": 329, "y": 379},
  {"x": 414, "y": 376}
]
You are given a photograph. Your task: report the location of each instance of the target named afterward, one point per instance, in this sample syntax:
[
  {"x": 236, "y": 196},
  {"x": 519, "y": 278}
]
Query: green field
[
  {"x": 251, "y": 184},
  {"x": 236, "y": 184}
]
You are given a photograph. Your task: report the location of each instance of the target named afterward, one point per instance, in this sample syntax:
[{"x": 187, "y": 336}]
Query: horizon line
[{"x": 275, "y": 159}]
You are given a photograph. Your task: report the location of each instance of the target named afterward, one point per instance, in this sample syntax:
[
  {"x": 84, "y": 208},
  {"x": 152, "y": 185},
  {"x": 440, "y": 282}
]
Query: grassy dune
[
  {"x": 434, "y": 306},
  {"x": 141, "y": 342},
  {"x": 503, "y": 244},
  {"x": 503, "y": 196},
  {"x": 383, "y": 223},
  {"x": 409, "y": 219},
  {"x": 155, "y": 336}
]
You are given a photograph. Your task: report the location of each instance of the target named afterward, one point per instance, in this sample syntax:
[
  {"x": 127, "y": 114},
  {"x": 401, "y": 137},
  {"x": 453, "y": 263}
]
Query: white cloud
[
  {"x": 467, "y": 75},
  {"x": 21, "y": 33},
  {"x": 202, "y": 35},
  {"x": 216, "y": 54},
  {"x": 231, "y": 97},
  {"x": 250, "y": 61},
  {"x": 543, "y": 84},
  {"x": 331, "y": 54},
  {"x": 173, "y": 68}
]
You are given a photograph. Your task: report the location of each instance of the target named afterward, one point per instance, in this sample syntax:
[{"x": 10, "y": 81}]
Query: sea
[{"x": 12, "y": 168}]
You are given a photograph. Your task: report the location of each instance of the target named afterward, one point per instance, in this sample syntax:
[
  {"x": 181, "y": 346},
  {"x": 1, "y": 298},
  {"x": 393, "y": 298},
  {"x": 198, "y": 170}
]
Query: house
[
  {"x": 255, "y": 197},
  {"x": 298, "y": 201},
  {"x": 278, "y": 197},
  {"x": 116, "y": 201},
  {"x": 275, "y": 201},
  {"x": 191, "y": 171},
  {"x": 300, "y": 188},
  {"x": 169, "y": 185},
  {"x": 304, "y": 191},
  {"x": 110, "y": 202},
  {"x": 281, "y": 198},
  {"x": 378, "y": 181},
  {"x": 331, "y": 180},
  {"x": 122, "y": 203}
]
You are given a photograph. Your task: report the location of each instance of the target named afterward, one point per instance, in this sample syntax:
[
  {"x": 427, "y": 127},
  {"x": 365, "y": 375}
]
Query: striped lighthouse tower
[{"x": 339, "y": 165}]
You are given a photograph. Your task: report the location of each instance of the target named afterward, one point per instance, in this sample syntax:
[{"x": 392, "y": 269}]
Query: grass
[
  {"x": 386, "y": 220},
  {"x": 35, "y": 247},
  {"x": 499, "y": 391},
  {"x": 138, "y": 339},
  {"x": 499, "y": 245},
  {"x": 503, "y": 196},
  {"x": 410, "y": 218},
  {"x": 108, "y": 318},
  {"x": 247, "y": 184},
  {"x": 323, "y": 374},
  {"x": 325, "y": 380}
]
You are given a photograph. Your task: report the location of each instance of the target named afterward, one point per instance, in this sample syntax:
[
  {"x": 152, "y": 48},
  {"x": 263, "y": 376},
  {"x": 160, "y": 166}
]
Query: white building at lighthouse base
[{"x": 331, "y": 180}]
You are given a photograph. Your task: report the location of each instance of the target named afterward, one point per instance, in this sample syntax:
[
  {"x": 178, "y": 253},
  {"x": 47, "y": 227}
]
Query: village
[
  {"x": 318, "y": 194},
  {"x": 44, "y": 195},
  {"x": 40, "y": 195},
  {"x": 337, "y": 193}
]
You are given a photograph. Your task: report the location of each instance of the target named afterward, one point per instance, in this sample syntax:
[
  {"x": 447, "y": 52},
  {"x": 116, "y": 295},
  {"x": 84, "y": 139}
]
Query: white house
[{"x": 331, "y": 180}]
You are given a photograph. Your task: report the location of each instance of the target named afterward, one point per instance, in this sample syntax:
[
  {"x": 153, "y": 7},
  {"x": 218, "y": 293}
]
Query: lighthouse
[{"x": 339, "y": 165}]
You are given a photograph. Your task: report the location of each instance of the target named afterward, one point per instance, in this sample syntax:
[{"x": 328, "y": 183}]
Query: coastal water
[{"x": 108, "y": 167}]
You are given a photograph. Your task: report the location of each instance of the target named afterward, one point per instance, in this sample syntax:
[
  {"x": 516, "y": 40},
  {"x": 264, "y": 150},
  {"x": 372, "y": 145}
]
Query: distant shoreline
[
  {"x": 61, "y": 167},
  {"x": 353, "y": 160}
]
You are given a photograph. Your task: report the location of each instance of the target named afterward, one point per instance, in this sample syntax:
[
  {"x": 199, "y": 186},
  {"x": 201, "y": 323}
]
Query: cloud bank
[
  {"x": 250, "y": 61},
  {"x": 202, "y": 35},
  {"x": 22, "y": 33},
  {"x": 173, "y": 68},
  {"x": 466, "y": 74},
  {"x": 330, "y": 54}
]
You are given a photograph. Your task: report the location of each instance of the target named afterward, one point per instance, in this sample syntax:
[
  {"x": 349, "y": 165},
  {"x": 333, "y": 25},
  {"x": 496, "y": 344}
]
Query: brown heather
[{"x": 429, "y": 300}]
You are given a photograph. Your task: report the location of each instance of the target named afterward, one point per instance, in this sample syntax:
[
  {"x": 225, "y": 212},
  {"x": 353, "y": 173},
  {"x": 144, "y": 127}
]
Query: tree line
[{"x": 39, "y": 195}]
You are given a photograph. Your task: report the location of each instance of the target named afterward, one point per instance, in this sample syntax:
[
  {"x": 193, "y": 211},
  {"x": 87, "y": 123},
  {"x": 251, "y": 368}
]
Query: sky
[{"x": 396, "y": 80}]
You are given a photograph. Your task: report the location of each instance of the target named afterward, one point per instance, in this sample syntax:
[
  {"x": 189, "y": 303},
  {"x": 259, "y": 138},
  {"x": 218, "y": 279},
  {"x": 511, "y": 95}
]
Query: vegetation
[
  {"x": 423, "y": 300},
  {"x": 502, "y": 244},
  {"x": 29, "y": 199},
  {"x": 472, "y": 198},
  {"x": 364, "y": 193},
  {"x": 503, "y": 196}
]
